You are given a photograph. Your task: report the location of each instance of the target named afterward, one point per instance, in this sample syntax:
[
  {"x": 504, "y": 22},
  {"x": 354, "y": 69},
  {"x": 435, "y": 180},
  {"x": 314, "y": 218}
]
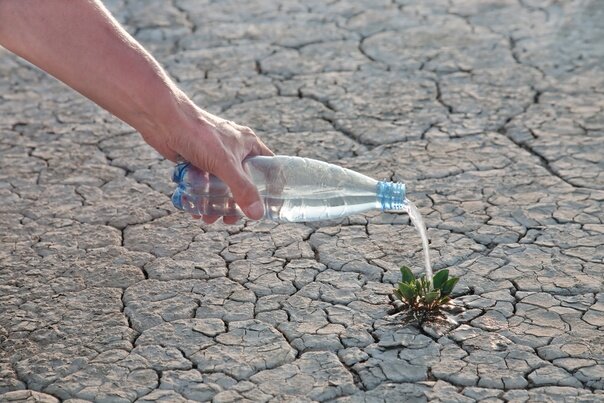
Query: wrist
[
  {"x": 155, "y": 100},
  {"x": 164, "y": 116}
]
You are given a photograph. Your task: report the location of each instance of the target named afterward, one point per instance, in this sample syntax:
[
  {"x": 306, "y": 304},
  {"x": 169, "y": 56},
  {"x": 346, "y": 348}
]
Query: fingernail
[{"x": 255, "y": 211}]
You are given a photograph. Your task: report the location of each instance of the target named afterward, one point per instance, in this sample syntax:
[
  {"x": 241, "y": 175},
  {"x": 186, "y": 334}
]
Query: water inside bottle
[
  {"x": 323, "y": 206},
  {"x": 418, "y": 223}
]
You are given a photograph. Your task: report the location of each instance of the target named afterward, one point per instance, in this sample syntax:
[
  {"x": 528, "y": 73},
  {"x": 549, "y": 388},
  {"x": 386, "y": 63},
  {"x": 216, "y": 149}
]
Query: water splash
[{"x": 418, "y": 223}]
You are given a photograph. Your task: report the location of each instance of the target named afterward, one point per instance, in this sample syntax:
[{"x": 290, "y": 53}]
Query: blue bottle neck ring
[{"x": 391, "y": 195}]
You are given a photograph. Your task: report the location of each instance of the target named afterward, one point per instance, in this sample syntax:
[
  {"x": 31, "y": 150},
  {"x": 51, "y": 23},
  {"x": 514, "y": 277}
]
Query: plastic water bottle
[{"x": 293, "y": 189}]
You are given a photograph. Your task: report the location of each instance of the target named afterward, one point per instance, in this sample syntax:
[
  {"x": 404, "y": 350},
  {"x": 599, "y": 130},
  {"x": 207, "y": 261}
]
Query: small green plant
[{"x": 423, "y": 297}]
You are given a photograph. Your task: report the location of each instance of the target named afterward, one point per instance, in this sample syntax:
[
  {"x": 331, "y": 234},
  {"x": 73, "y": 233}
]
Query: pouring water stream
[{"x": 418, "y": 223}]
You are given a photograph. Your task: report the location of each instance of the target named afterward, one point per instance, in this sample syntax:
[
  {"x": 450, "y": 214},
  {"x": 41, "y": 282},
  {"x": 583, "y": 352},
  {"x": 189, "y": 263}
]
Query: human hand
[
  {"x": 213, "y": 145},
  {"x": 121, "y": 76}
]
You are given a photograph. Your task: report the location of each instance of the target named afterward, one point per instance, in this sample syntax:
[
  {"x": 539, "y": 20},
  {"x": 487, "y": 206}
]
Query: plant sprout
[{"x": 422, "y": 296}]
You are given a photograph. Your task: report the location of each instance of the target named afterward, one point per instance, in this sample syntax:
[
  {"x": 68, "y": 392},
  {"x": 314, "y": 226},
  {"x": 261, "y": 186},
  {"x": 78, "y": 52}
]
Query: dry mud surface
[{"x": 492, "y": 113}]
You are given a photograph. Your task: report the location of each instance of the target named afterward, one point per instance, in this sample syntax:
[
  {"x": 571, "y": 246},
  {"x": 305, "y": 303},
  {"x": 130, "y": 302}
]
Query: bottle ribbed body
[{"x": 293, "y": 189}]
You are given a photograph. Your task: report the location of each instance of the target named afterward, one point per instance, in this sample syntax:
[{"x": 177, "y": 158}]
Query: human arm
[{"x": 81, "y": 44}]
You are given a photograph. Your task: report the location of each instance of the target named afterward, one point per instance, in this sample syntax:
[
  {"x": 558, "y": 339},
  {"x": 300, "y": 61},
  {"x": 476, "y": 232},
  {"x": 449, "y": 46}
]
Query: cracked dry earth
[{"x": 492, "y": 113}]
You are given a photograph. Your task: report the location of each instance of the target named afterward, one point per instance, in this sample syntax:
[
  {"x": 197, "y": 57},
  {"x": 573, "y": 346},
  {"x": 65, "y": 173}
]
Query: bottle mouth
[{"x": 391, "y": 195}]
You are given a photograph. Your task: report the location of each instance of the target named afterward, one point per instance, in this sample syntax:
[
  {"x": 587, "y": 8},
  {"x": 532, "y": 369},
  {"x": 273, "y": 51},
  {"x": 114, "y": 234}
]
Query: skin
[{"x": 82, "y": 45}]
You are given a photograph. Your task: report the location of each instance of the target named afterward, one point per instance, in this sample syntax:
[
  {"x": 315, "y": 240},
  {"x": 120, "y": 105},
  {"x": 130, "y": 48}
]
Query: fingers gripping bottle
[{"x": 293, "y": 189}]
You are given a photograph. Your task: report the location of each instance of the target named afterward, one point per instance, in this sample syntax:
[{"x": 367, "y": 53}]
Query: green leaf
[
  {"x": 440, "y": 278},
  {"x": 432, "y": 296},
  {"x": 426, "y": 287},
  {"x": 449, "y": 285},
  {"x": 398, "y": 294},
  {"x": 419, "y": 286},
  {"x": 408, "y": 276},
  {"x": 406, "y": 291}
]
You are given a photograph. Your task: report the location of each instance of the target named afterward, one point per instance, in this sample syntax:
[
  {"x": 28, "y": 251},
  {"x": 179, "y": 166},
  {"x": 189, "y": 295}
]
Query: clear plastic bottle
[{"x": 294, "y": 189}]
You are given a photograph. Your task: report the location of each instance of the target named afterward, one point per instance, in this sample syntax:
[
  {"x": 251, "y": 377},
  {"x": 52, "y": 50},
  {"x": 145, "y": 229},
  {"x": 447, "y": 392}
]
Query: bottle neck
[{"x": 391, "y": 195}]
